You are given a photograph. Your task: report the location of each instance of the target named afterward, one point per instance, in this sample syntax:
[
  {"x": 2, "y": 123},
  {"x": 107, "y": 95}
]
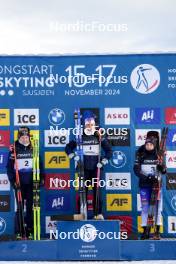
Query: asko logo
[
  {"x": 56, "y": 160},
  {"x": 4, "y": 138},
  {"x": 171, "y": 159},
  {"x": 119, "y": 202},
  {"x": 26, "y": 117},
  {"x": 141, "y": 134},
  {"x": 117, "y": 116},
  {"x": 4, "y": 183},
  {"x": 170, "y": 116},
  {"x": 50, "y": 225},
  {"x": 57, "y": 181}
]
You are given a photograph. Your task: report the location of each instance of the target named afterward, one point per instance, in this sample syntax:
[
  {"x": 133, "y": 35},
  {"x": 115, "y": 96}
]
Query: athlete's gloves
[
  {"x": 102, "y": 163},
  {"x": 73, "y": 155}
]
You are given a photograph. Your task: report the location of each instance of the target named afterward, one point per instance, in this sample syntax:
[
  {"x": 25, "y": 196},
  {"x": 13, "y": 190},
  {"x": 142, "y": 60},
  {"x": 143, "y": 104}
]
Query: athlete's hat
[
  {"x": 152, "y": 140},
  {"x": 23, "y": 131},
  {"x": 87, "y": 115}
]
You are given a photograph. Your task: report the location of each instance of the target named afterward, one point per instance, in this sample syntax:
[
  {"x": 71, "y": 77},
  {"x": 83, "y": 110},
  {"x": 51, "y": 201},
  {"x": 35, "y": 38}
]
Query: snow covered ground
[{"x": 94, "y": 262}]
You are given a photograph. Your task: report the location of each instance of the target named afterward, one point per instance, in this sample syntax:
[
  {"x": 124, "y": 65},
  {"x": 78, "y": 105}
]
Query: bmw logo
[
  {"x": 56, "y": 116},
  {"x": 118, "y": 159},
  {"x": 2, "y": 225}
]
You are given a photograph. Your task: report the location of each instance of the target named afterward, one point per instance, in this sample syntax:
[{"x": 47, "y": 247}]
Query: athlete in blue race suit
[
  {"x": 146, "y": 168},
  {"x": 91, "y": 153}
]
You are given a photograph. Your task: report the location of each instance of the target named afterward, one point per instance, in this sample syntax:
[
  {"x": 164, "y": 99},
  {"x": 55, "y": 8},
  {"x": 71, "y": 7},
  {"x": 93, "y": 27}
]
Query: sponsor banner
[
  {"x": 56, "y": 160},
  {"x": 118, "y": 159},
  {"x": 89, "y": 202},
  {"x": 141, "y": 134},
  {"x": 172, "y": 224},
  {"x": 171, "y": 138},
  {"x": 4, "y": 117},
  {"x": 171, "y": 181},
  {"x": 140, "y": 229},
  {"x": 4, "y": 138},
  {"x": 3, "y": 225},
  {"x": 147, "y": 115},
  {"x": 57, "y": 181},
  {"x": 4, "y": 183},
  {"x": 118, "y": 136},
  {"x": 50, "y": 225},
  {"x": 56, "y": 138},
  {"x": 125, "y": 223},
  {"x": 145, "y": 78},
  {"x": 119, "y": 202},
  {"x": 4, "y": 203},
  {"x": 170, "y": 116},
  {"x": 118, "y": 181},
  {"x": 58, "y": 202},
  {"x": 32, "y": 134},
  {"x": 26, "y": 117},
  {"x": 173, "y": 202},
  {"x": 117, "y": 116},
  {"x": 171, "y": 159},
  {"x": 3, "y": 160}
]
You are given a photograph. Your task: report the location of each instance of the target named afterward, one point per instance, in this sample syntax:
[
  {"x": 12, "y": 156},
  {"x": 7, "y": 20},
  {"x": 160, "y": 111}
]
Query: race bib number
[
  {"x": 91, "y": 150},
  {"x": 148, "y": 169},
  {"x": 24, "y": 164}
]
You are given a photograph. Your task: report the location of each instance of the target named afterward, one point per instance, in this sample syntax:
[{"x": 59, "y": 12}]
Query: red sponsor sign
[
  {"x": 89, "y": 202},
  {"x": 4, "y": 138},
  {"x": 170, "y": 116},
  {"x": 125, "y": 223},
  {"x": 57, "y": 181}
]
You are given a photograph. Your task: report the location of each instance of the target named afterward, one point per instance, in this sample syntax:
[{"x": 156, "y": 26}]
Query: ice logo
[
  {"x": 118, "y": 159},
  {"x": 145, "y": 78},
  {"x": 56, "y": 116},
  {"x": 88, "y": 233},
  {"x": 2, "y": 225},
  {"x": 173, "y": 202}
]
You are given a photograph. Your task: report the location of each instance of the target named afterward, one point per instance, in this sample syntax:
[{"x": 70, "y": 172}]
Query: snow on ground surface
[{"x": 94, "y": 262}]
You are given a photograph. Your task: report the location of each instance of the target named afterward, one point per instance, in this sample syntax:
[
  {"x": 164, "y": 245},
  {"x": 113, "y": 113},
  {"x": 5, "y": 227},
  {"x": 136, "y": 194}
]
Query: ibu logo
[
  {"x": 88, "y": 233},
  {"x": 145, "y": 78},
  {"x": 56, "y": 117},
  {"x": 147, "y": 115},
  {"x": 2, "y": 225},
  {"x": 118, "y": 159}
]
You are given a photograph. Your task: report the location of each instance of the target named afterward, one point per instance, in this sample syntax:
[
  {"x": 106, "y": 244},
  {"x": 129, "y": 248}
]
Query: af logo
[
  {"x": 145, "y": 78},
  {"x": 88, "y": 233},
  {"x": 118, "y": 159},
  {"x": 2, "y": 225},
  {"x": 56, "y": 116}
]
